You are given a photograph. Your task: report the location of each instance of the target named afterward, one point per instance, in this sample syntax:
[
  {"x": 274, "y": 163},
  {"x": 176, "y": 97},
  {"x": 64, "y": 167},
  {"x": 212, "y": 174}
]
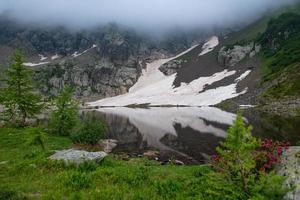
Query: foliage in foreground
[
  {"x": 235, "y": 178},
  {"x": 243, "y": 161},
  {"x": 18, "y": 96}
]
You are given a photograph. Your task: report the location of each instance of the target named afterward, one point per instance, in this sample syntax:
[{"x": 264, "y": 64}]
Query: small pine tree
[
  {"x": 18, "y": 95},
  {"x": 65, "y": 115},
  {"x": 237, "y": 153}
]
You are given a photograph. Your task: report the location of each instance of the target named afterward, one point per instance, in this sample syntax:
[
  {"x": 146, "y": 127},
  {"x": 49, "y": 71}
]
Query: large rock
[
  {"x": 229, "y": 57},
  {"x": 172, "y": 67},
  {"x": 78, "y": 156},
  {"x": 290, "y": 168},
  {"x": 108, "y": 145}
]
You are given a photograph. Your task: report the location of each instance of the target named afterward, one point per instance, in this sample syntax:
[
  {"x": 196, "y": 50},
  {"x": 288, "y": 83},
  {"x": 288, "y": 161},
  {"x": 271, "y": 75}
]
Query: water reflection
[
  {"x": 189, "y": 134},
  {"x": 185, "y": 133}
]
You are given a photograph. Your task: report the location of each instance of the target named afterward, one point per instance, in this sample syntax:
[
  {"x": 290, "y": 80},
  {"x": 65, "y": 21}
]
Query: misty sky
[{"x": 146, "y": 14}]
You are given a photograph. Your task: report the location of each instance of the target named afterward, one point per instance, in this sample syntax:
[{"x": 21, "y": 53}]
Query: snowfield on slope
[
  {"x": 156, "y": 89},
  {"x": 209, "y": 45}
]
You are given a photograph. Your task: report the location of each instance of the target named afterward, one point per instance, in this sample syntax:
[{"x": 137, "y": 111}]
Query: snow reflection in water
[{"x": 186, "y": 133}]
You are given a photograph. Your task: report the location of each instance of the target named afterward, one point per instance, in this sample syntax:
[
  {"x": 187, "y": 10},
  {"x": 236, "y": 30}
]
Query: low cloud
[{"x": 139, "y": 14}]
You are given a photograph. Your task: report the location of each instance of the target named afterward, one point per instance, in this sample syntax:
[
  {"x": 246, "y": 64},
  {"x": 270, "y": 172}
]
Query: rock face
[
  {"x": 78, "y": 156},
  {"x": 99, "y": 78},
  {"x": 171, "y": 67},
  {"x": 100, "y": 62},
  {"x": 108, "y": 145},
  {"x": 290, "y": 168},
  {"x": 229, "y": 57}
]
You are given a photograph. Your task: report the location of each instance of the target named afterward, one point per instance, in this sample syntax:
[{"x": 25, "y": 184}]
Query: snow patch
[
  {"x": 152, "y": 73},
  {"x": 209, "y": 45},
  {"x": 42, "y": 57},
  {"x": 243, "y": 76},
  {"x": 76, "y": 54},
  {"x": 34, "y": 64},
  {"x": 247, "y": 106},
  {"x": 55, "y": 57}
]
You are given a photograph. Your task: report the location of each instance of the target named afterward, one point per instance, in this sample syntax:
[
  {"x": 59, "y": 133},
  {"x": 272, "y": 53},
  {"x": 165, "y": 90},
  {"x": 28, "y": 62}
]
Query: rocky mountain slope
[
  {"x": 254, "y": 70},
  {"x": 275, "y": 84},
  {"x": 105, "y": 61},
  {"x": 253, "y": 66}
]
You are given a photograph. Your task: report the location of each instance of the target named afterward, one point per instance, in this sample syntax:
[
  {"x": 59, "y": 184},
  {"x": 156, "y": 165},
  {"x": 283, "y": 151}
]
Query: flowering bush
[
  {"x": 269, "y": 153},
  {"x": 243, "y": 160}
]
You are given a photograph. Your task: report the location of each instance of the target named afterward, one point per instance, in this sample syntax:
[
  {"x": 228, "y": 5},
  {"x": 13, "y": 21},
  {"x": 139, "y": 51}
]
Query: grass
[{"x": 26, "y": 173}]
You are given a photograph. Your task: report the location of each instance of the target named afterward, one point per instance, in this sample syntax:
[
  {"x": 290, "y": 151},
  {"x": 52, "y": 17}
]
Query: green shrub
[
  {"x": 90, "y": 131},
  {"x": 269, "y": 186}
]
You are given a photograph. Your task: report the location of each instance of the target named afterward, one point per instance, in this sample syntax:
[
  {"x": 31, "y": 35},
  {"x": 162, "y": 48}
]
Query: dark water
[{"x": 186, "y": 134}]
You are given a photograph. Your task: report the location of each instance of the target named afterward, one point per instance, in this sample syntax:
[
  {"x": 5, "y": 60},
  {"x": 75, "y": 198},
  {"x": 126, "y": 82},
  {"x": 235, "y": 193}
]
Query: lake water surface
[{"x": 188, "y": 134}]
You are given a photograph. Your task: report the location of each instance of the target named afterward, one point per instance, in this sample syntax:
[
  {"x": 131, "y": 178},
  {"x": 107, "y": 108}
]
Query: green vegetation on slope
[
  {"x": 254, "y": 30},
  {"x": 281, "y": 56}
]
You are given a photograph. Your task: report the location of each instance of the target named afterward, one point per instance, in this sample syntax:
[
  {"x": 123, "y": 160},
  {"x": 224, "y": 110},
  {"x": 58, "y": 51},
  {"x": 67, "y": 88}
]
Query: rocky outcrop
[
  {"x": 108, "y": 145},
  {"x": 230, "y": 56},
  {"x": 100, "y": 79},
  {"x": 172, "y": 67},
  {"x": 78, "y": 156},
  {"x": 290, "y": 168}
]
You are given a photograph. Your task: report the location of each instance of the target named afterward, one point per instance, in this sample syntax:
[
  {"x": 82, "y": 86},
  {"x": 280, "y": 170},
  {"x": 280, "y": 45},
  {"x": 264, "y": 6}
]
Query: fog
[{"x": 140, "y": 14}]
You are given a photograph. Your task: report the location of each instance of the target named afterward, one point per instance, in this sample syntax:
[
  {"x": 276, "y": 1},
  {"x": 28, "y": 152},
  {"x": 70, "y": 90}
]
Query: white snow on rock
[
  {"x": 209, "y": 45},
  {"x": 156, "y": 89},
  {"x": 243, "y": 76},
  {"x": 152, "y": 73},
  {"x": 34, "y": 64},
  {"x": 76, "y": 54},
  {"x": 56, "y": 56},
  {"x": 247, "y": 106},
  {"x": 42, "y": 57}
]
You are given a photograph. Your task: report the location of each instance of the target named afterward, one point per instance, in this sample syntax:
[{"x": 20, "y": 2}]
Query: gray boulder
[
  {"x": 108, "y": 145},
  {"x": 290, "y": 168},
  {"x": 230, "y": 57},
  {"x": 78, "y": 156}
]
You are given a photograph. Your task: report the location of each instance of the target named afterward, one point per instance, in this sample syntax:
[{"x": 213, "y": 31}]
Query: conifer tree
[
  {"x": 65, "y": 115},
  {"x": 18, "y": 95},
  {"x": 237, "y": 152}
]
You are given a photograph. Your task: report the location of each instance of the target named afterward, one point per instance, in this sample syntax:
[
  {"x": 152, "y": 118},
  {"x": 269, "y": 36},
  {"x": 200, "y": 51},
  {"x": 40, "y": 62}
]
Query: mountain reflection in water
[{"x": 185, "y": 133}]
